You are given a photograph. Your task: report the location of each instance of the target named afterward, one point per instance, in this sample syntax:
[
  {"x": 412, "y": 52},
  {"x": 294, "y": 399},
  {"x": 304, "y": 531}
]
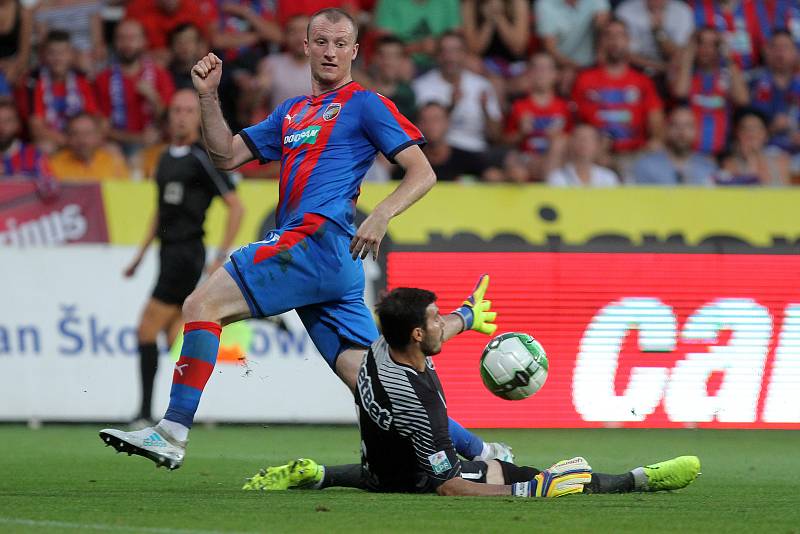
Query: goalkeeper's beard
[{"x": 431, "y": 346}]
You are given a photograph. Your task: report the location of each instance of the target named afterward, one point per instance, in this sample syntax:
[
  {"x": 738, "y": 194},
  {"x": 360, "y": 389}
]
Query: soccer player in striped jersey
[
  {"x": 311, "y": 263},
  {"x": 405, "y": 445}
]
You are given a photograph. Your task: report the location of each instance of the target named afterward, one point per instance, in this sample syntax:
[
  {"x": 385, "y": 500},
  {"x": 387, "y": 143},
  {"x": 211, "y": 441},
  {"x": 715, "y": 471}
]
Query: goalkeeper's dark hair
[{"x": 401, "y": 311}]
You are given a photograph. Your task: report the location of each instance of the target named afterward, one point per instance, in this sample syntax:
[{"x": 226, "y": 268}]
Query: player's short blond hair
[{"x": 334, "y": 14}]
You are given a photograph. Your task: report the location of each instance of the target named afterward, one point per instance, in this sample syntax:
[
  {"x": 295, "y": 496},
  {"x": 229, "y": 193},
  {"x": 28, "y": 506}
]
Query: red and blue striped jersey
[
  {"x": 326, "y": 144},
  {"x": 708, "y": 97},
  {"x": 740, "y": 27}
]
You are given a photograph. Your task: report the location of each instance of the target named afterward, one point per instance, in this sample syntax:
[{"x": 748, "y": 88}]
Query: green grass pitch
[{"x": 62, "y": 479}]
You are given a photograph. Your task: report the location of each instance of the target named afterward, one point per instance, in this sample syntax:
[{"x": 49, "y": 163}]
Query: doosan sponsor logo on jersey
[{"x": 305, "y": 137}]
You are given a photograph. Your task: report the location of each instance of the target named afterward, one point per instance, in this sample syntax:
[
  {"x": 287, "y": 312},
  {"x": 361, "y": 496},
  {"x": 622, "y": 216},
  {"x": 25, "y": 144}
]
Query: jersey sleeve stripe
[
  {"x": 418, "y": 141},
  {"x": 252, "y": 146}
]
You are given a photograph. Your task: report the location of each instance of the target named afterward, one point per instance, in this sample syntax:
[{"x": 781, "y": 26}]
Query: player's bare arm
[
  {"x": 226, "y": 150},
  {"x": 419, "y": 179},
  {"x": 232, "y": 224}
]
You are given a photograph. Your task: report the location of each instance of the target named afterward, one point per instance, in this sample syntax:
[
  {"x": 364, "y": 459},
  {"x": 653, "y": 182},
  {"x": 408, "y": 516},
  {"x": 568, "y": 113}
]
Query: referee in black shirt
[{"x": 187, "y": 183}]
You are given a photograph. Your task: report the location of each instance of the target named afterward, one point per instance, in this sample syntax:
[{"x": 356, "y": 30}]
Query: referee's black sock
[
  {"x": 343, "y": 476},
  {"x": 148, "y": 365}
]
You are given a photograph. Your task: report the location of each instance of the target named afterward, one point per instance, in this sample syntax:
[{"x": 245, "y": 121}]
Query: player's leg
[
  {"x": 472, "y": 447},
  {"x": 307, "y": 474},
  {"x": 180, "y": 268},
  {"x": 671, "y": 474},
  {"x": 304, "y": 473},
  {"x": 157, "y": 317},
  {"x": 216, "y": 302}
]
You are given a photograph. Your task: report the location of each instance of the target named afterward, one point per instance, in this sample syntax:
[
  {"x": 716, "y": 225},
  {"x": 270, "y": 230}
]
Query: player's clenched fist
[{"x": 206, "y": 74}]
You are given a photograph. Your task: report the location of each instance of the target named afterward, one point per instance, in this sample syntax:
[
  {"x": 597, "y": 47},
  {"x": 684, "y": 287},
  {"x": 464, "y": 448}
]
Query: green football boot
[
  {"x": 297, "y": 474},
  {"x": 672, "y": 474}
]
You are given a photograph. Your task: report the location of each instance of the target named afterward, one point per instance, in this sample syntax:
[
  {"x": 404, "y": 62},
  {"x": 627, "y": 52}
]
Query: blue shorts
[{"x": 308, "y": 268}]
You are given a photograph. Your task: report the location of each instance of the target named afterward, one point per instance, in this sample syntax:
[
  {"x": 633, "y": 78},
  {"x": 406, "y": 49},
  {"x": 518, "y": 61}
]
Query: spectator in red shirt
[
  {"x": 711, "y": 83},
  {"x": 536, "y": 118},
  {"x": 59, "y": 92},
  {"x": 134, "y": 90},
  {"x": 160, "y": 17},
  {"x": 618, "y": 100}
]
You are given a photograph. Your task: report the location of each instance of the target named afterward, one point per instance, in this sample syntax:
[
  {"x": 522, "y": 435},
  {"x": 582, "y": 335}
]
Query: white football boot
[{"x": 153, "y": 443}]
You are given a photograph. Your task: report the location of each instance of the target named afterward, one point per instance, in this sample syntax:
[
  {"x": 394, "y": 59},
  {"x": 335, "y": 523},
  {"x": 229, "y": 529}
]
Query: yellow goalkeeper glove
[
  {"x": 563, "y": 478},
  {"x": 475, "y": 311}
]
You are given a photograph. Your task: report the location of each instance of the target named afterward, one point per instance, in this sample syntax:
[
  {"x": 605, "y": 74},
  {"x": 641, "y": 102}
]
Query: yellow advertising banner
[{"x": 532, "y": 215}]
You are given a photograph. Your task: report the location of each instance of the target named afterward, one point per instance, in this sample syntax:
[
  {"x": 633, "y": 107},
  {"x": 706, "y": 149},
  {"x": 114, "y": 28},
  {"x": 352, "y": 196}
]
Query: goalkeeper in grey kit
[{"x": 405, "y": 443}]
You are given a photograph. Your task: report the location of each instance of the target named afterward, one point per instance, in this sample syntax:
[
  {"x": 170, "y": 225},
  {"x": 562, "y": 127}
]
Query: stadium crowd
[{"x": 566, "y": 92}]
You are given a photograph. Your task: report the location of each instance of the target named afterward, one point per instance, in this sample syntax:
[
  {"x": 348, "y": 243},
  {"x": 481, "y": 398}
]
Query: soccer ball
[{"x": 513, "y": 366}]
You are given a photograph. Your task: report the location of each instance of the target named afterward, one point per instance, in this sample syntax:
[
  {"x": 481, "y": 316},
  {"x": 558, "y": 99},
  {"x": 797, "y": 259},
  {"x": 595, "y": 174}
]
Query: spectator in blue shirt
[{"x": 677, "y": 163}]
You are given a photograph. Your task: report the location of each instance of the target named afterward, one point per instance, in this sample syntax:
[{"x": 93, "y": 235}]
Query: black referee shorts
[{"x": 181, "y": 267}]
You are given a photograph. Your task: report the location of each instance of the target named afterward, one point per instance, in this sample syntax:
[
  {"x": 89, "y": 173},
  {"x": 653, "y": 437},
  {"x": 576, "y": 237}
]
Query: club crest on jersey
[{"x": 332, "y": 111}]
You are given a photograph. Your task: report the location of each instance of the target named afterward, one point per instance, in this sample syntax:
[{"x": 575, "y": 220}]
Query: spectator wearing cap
[
  {"x": 775, "y": 92},
  {"x": 658, "y": 30},
  {"x": 677, "y": 163},
  {"x": 85, "y": 158},
  {"x": 580, "y": 166},
  {"x": 712, "y": 84},
  {"x": 750, "y": 161},
  {"x": 620, "y": 101},
  {"x": 132, "y": 93},
  {"x": 536, "y": 118},
  {"x": 59, "y": 92},
  {"x": 475, "y": 111}
]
